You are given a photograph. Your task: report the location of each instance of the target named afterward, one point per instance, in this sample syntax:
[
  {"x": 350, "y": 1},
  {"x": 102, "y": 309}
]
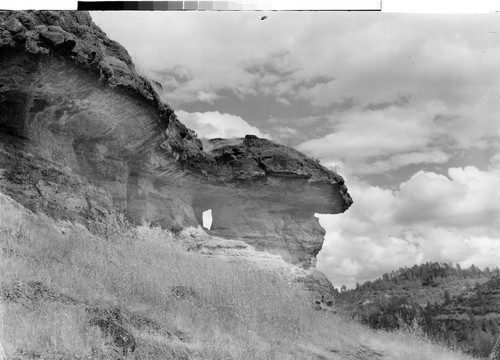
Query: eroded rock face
[
  {"x": 71, "y": 101},
  {"x": 269, "y": 197},
  {"x": 82, "y": 135}
]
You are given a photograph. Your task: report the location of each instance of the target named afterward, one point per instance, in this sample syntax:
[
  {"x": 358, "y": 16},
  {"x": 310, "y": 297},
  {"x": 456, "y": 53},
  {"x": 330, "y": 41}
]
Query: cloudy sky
[{"x": 404, "y": 106}]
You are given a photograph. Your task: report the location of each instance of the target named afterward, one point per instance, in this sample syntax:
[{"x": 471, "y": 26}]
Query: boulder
[{"x": 13, "y": 25}]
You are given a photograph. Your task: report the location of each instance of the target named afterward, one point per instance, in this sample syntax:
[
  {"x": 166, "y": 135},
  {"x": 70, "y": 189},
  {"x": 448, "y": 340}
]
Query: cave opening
[{"x": 207, "y": 219}]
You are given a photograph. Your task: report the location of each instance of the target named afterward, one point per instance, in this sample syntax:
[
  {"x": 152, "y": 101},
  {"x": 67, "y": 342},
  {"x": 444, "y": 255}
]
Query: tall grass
[{"x": 223, "y": 310}]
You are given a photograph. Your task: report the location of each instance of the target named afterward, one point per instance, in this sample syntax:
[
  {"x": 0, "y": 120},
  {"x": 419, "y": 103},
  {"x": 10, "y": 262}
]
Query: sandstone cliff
[{"x": 83, "y": 135}]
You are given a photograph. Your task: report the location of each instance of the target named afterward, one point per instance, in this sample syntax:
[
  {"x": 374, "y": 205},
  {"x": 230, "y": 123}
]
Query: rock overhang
[
  {"x": 267, "y": 194},
  {"x": 281, "y": 176},
  {"x": 72, "y": 96}
]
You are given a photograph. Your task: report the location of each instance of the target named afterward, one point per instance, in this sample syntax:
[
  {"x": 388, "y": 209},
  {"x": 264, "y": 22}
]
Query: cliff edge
[{"x": 83, "y": 136}]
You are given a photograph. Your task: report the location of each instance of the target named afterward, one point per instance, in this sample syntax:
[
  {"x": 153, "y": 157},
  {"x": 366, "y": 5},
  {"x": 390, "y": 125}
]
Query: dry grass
[{"x": 218, "y": 309}]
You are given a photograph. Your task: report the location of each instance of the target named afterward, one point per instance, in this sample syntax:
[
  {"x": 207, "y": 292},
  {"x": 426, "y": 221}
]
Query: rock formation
[{"x": 82, "y": 135}]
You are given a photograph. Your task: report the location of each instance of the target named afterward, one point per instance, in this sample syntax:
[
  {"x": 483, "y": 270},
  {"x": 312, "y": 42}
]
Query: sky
[{"x": 404, "y": 106}]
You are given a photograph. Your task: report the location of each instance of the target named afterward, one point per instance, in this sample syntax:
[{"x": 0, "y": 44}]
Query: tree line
[{"x": 466, "y": 317}]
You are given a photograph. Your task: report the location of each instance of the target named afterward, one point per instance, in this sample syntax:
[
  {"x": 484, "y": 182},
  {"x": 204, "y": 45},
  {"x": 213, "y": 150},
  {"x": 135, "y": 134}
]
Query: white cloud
[
  {"x": 284, "y": 101},
  {"x": 387, "y": 53},
  {"x": 400, "y": 160},
  {"x": 369, "y": 134},
  {"x": 466, "y": 197},
  {"x": 368, "y": 256},
  {"x": 395, "y": 135},
  {"x": 485, "y": 252},
  {"x": 495, "y": 162},
  {"x": 208, "y": 97},
  {"x": 320, "y": 94},
  {"x": 213, "y": 124},
  {"x": 284, "y": 134},
  {"x": 431, "y": 217}
]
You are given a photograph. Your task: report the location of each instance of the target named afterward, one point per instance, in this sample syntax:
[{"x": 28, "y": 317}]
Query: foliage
[{"x": 453, "y": 313}]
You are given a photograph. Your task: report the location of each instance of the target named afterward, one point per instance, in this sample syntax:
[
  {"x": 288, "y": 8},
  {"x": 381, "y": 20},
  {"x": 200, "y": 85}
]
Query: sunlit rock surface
[
  {"x": 82, "y": 135},
  {"x": 269, "y": 196},
  {"x": 318, "y": 286}
]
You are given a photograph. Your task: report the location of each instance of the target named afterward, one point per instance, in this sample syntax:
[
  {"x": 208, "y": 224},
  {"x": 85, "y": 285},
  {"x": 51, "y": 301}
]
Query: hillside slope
[
  {"x": 124, "y": 292},
  {"x": 454, "y": 306}
]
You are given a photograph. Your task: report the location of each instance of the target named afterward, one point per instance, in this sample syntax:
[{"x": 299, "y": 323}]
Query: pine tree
[{"x": 446, "y": 297}]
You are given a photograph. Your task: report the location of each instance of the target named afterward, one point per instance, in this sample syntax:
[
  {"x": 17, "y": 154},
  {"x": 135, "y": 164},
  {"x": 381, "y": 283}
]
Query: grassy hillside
[{"x": 61, "y": 282}]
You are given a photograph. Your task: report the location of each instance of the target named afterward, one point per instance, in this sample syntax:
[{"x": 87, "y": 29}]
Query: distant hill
[{"x": 455, "y": 306}]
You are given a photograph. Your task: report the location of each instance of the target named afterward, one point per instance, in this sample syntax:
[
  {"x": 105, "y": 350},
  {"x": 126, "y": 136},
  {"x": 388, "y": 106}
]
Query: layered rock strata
[{"x": 83, "y": 135}]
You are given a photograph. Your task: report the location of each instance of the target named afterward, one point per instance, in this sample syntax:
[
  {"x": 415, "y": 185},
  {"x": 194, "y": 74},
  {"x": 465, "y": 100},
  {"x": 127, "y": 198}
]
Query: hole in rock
[{"x": 207, "y": 219}]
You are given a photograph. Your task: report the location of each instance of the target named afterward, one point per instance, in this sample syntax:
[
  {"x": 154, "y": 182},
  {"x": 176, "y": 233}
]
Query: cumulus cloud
[
  {"x": 213, "y": 124},
  {"x": 430, "y": 217},
  {"x": 465, "y": 197},
  {"x": 348, "y": 256}
]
